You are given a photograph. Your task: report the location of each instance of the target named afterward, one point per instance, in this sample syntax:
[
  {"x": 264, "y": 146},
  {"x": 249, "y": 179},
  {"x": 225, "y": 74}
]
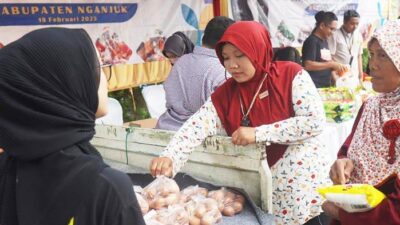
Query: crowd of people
[{"x": 52, "y": 89}]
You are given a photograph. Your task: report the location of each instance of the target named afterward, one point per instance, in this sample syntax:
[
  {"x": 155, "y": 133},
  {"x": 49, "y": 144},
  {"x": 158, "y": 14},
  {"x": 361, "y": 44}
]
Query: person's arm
[
  {"x": 193, "y": 132},
  {"x": 342, "y": 168},
  {"x": 310, "y": 65},
  {"x": 309, "y": 116}
]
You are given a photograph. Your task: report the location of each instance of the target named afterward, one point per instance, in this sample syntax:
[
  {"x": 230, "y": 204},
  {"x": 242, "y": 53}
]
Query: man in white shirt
[{"x": 346, "y": 47}]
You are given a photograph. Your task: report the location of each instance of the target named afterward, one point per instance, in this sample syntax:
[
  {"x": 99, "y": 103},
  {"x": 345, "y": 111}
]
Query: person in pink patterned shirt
[{"x": 371, "y": 154}]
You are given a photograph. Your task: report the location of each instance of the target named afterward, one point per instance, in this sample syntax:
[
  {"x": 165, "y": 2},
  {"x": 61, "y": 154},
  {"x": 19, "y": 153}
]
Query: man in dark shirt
[{"x": 316, "y": 56}]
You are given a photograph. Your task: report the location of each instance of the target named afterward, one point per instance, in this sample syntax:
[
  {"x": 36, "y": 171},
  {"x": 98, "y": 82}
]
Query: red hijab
[{"x": 254, "y": 41}]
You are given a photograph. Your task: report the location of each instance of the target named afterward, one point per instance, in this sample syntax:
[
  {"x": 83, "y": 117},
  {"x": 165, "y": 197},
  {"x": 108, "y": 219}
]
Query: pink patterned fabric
[
  {"x": 369, "y": 148},
  {"x": 388, "y": 37}
]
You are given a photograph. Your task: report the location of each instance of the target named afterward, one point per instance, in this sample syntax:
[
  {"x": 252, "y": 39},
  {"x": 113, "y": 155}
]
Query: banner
[
  {"x": 290, "y": 22},
  {"x": 123, "y": 31}
]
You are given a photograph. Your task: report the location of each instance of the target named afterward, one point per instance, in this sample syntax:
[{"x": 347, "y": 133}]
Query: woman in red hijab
[{"x": 275, "y": 103}]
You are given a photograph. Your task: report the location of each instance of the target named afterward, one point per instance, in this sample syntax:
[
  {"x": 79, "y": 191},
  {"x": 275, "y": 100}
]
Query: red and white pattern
[
  {"x": 388, "y": 37},
  {"x": 369, "y": 149}
]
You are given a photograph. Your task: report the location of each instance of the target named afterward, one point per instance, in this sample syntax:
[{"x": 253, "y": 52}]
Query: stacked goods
[
  {"x": 339, "y": 103},
  {"x": 229, "y": 203},
  {"x": 193, "y": 205}
]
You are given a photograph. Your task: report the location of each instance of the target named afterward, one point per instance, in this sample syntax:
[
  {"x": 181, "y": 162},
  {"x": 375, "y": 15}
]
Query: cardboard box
[{"x": 146, "y": 123}]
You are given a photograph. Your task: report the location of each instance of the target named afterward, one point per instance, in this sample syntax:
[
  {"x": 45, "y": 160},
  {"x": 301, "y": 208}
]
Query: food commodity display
[
  {"x": 162, "y": 202},
  {"x": 339, "y": 103}
]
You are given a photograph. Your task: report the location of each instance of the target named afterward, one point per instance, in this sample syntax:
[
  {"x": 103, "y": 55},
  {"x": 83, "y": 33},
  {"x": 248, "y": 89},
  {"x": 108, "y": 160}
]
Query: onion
[
  {"x": 200, "y": 210},
  {"x": 183, "y": 198},
  {"x": 237, "y": 206},
  {"x": 193, "y": 220},
  {"x": 230, "y": 195},
  {"x": 144, "y": 206},
  {"x": 207, "y": 220},
  {"x": 240, "y": 198},
  {"x": 217, "y": 195},
  {"x": 182, "y": 217},
  {"x": 228, "y": 200},
  {"x": 203, "y": 191},
  {"x": 171, "y": 199},
  {"x": 150, "y": 193},
  {"x": 221, "y": 207},
  {"x": 228, "y": 211},
  {"x": 211, "y": 204},
  {"x": 158, "y": 203},
  {"x": 164, "y": 191},
  {"x": 190, "y": 208}
]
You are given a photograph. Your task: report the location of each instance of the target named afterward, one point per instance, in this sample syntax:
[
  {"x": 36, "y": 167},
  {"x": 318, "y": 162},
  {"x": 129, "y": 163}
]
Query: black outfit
[
  {"x": 178, "y": 44},
  {"x": 322, "y": 219},
  {"x": 50, "y": 172},
  {"x": 312, "y": 51}
]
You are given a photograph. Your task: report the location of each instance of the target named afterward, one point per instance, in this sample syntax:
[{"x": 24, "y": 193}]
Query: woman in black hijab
[
  {"x": 50, "y": 90},
  {"x": 177, "y": 45}
]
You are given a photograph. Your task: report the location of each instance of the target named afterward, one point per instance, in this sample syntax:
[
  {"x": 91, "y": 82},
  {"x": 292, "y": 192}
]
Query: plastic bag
[
  {"x": 144, "y": 205},
  {"x": 173, "y": 215},
  {"x": 203, "y": 211},
  {"x": 162, "y": 192},
  {"x": 353, "y": 197},
  {"x": 190, "y": 191},
  {"x": 229, "y": 203}
]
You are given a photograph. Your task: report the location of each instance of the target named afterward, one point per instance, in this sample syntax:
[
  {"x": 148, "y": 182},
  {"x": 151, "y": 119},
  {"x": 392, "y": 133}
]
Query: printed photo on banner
[
  {"x": 124, "y": 31},
  {"x": 298, "y": 22}
]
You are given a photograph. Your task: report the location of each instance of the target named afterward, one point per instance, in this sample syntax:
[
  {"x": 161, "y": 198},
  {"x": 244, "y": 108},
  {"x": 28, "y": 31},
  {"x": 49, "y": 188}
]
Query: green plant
[
  {"x": 365, "y": 59},
  {"x": 131, "y": 112}
]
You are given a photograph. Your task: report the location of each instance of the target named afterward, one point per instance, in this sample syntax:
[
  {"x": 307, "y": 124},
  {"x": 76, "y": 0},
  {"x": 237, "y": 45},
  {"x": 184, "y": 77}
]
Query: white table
[{"x": 334, "y": 136}]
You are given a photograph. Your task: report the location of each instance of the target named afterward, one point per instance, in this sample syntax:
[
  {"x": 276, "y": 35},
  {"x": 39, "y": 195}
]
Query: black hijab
[
  {"x": 48, "y": 100},
  {"x": 178, "y": 44}
]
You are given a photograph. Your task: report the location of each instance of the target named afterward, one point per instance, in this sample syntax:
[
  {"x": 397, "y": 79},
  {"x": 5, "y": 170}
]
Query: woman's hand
[
  {"x": 161, "y": 166},
  {"x": 331, "y": 210},
  {"x": 244, "y": 136},
  {"x": 1, "y": 150},
  {"x": 341, "y": 170}
]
